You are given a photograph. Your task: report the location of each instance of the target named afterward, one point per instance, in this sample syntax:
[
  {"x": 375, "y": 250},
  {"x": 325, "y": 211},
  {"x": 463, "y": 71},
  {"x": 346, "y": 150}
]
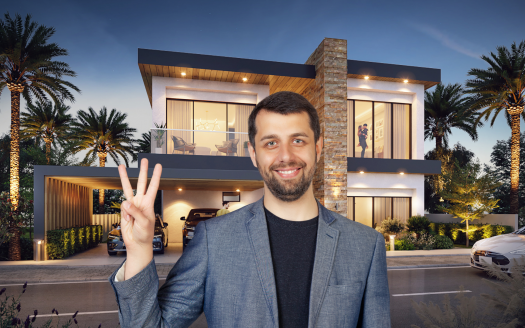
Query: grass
[{"x": 25, "y": 232}]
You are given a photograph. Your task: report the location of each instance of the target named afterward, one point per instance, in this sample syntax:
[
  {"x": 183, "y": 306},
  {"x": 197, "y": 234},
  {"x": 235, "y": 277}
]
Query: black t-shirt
[{"x": 292, "y": 244}]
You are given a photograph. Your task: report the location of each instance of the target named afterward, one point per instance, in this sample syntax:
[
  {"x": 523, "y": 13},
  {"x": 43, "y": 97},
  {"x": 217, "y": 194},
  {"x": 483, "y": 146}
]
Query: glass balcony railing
[{"x": 199, "y": 142}]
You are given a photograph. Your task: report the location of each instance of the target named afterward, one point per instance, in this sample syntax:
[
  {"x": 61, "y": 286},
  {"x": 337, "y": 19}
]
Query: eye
[
  {"x": 269, "y": 142},
  {"x": 301, "y": 141}
]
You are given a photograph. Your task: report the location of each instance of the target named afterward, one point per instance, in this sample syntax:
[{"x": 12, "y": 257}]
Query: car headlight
[{"x": 519, "y": 251}]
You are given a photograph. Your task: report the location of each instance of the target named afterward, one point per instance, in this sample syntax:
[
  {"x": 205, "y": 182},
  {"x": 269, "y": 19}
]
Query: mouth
[{"x": 288, "y": 173}]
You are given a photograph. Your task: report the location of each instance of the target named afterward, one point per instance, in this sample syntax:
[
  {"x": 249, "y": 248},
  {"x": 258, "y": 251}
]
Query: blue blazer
[{"x": 226, "y": 271}]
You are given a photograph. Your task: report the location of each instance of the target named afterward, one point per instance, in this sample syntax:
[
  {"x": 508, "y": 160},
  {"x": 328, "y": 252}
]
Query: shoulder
[{"x": 227, "y": 218}]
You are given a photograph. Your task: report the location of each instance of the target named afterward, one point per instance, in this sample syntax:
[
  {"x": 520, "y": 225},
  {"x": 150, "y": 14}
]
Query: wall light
[
  {"x": 183, "y": 74},
  {"x": 405, "y": 81},
  {"x": 366, "y": 77},
  {"x": 244, "y": 79}
]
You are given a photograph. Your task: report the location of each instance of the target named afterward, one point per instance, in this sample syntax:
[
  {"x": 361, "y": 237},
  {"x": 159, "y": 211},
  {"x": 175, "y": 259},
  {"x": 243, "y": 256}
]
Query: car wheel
[
  {"x": 112, "y": 253},
  {"x": 161, "y": 250}
]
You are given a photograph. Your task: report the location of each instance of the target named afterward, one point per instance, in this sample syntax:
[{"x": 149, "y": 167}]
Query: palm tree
[
  {"x": 27, "y": 68},
  {"x": 103, "y": 135},
  {"x": 144, "y": 144},
  {"x": 501, "y": 87},
  {"x": 47, "y": 122},
  {"x": 446, "y": 108}
]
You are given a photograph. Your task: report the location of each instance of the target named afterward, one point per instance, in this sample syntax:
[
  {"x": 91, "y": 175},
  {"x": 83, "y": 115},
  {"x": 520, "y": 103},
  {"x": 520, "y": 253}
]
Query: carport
[{"x": 63, "y": 195}]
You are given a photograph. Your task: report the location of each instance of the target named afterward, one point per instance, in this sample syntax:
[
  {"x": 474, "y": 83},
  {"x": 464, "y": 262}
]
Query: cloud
[{"x": 460, "y": 46}]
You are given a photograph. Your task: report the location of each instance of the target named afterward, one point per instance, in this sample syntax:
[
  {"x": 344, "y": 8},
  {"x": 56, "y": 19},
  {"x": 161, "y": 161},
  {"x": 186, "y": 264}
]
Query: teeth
[{"x": 288, "y": 172}]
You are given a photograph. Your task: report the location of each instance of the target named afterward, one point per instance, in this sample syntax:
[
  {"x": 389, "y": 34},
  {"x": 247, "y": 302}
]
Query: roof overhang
[
  {"x": 393, "y": 73},
  {"x": 279, "y": 76}
]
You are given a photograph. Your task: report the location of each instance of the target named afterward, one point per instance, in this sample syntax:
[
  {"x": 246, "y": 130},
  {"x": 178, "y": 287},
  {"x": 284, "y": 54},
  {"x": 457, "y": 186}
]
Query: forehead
[{"x": 269, "y": 122}]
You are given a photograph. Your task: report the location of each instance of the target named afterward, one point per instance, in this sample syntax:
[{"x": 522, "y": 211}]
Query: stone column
[{"x": 328, "y": 94}]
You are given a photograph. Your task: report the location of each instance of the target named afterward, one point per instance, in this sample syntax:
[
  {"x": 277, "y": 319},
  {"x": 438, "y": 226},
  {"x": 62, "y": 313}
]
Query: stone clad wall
[{"x": 328, "y": 94}]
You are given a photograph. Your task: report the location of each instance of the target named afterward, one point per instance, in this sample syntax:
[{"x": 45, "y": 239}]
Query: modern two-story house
[{"x": 202, "y": 102}]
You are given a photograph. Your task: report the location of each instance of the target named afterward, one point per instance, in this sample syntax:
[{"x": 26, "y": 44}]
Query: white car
[{"x": 499, "y": 250}]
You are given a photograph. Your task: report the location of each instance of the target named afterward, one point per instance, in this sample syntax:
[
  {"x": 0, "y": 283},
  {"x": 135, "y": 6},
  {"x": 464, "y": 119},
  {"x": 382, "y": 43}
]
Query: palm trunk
[
  {"x": 48, "y": 151},
  {"x": 15, "y": 249},
  {"x": 467, "y": 232},
  {"x": 515, "y": 160},
  {"x": 101, "y": 194}
]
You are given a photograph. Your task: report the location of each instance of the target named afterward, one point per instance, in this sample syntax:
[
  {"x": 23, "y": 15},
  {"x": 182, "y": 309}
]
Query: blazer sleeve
[
  {"x": 375, "y": 307},
  {"x": 179, "y": 302}
]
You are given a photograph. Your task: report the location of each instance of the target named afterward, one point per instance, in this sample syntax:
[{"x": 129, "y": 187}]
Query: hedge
[
  {"x": 62, "y": 243},
  {"x": 482, "y": 231}
]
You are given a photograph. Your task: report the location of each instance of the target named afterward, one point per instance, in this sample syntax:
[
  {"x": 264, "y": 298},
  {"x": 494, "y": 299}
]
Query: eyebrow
[{"x": 274, "y": 136}]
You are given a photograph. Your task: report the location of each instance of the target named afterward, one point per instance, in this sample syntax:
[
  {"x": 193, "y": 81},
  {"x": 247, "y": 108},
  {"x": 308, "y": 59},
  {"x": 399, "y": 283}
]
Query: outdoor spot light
[
  {"x": 392, "y": 242},
  {"x": 366, "y": 77},
  {"x": 244, "y": 79},
  {"x": 441, "y": 199},
  {"x": 406, "y": 81},
  {"x": 183, "y": 74},
  {"x": 39, "y": 242}
]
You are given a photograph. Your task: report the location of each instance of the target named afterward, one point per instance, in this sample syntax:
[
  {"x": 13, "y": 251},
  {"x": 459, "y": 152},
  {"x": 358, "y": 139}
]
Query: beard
[{"x": 288, "y": 190}]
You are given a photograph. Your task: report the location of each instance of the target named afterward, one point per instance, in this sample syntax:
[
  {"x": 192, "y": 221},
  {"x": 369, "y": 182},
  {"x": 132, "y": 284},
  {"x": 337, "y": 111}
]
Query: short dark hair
[
  {"x": 224, "y": 203},
  {"x": 285, "y": 102}
]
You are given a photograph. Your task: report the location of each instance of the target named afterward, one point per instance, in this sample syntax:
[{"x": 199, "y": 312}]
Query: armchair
[{"x": 181, "y": 145}]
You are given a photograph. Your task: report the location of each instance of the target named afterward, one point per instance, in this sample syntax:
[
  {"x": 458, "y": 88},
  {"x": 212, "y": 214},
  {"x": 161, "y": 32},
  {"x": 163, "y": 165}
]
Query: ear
[
  {"x": 319, "y": 148},
  {"x": 252, "y": 153}
]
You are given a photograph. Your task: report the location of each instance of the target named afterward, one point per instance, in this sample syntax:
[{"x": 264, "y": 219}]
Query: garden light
[{"x": 392, "y": 242}]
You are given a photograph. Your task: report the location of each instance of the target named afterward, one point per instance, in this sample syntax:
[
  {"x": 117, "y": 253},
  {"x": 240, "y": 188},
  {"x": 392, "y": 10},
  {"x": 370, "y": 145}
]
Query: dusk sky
[{"x": 102, "y": 38}]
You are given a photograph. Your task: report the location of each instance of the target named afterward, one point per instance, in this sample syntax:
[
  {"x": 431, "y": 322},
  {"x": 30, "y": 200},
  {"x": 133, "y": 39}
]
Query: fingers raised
[
  {"x": 154, "y": 184},
  {"x": 124, "y": 180},
  {"x": 143, "y": 178}
]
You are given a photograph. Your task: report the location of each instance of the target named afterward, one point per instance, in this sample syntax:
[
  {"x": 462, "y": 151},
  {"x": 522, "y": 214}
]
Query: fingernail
[{"x": 127, "y": 205}]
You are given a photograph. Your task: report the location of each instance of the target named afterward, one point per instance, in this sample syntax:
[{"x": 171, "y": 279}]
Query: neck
[{"x": 304, "y": 208}]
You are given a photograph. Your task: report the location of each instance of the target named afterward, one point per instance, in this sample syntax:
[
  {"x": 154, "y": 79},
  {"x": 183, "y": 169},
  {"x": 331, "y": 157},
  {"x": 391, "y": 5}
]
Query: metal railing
[{"x": 199, "y": 142}]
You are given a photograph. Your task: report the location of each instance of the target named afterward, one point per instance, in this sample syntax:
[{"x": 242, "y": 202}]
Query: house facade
[{"x": 199, "y": 128}]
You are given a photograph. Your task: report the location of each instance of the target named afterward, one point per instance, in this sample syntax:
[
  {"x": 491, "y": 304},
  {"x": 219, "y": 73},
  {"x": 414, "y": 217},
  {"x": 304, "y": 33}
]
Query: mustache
[{"x": 291, "y": 164}]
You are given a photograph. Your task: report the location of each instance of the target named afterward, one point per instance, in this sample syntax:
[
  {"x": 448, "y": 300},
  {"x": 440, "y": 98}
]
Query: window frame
[{"x": 373, "y": 199}]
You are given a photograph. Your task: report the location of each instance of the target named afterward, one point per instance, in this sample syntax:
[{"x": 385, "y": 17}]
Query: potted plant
[
  {"x": 158, "y": 136},
  {"x": 246, "y": 153}
]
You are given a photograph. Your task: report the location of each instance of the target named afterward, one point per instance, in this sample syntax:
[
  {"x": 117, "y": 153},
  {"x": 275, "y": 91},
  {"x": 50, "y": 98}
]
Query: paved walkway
[{"x": 96, "y": 265}]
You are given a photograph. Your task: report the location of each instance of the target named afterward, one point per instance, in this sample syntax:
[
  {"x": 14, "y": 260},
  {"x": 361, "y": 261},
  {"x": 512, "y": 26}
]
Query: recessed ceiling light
[
  {"x": 366, "y": 77},
  {"x": 238, "y": 190},
  {"x": 406, "y": 81},
  {"x": 180, "y": 189},
  {"x": 244, "y": 79},
  {"x": 361, "y": 172},
  {"x": 401, "y": 173},
  {"x": 183, "y": 74}
]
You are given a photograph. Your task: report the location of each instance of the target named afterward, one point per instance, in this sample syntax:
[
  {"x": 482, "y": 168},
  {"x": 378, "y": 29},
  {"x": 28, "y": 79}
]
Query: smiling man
[{"x": 283, "y": 261}]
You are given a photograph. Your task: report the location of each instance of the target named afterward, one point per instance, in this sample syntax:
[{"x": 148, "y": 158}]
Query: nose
[{"x": 286, "y": 153}]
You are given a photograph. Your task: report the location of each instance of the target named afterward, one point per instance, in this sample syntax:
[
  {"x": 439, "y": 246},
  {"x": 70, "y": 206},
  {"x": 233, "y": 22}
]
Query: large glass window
[
  {"x": 378, "y": 129},
  {"x": 206, "y": 116},
  {"x": 371, "y": 211}
]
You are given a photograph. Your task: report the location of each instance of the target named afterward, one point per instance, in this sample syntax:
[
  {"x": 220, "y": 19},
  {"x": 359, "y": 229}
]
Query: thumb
[{"x": 132, "y": 212}]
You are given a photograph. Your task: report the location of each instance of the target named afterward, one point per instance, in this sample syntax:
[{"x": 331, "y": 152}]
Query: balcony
[{"x": 199, "y": 142}]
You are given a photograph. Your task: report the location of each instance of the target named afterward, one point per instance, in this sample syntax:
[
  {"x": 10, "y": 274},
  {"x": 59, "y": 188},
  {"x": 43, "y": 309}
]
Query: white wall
[
  {"x": 179, "y": 203},
  {"x": 407, "y": 93},
  {"x": 389, "y": 185},
  {"x": 167, "y": 87}
]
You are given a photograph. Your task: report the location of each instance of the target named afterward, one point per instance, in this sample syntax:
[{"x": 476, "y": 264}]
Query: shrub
[
  {"x": 424, "y": 242},
  {"x": 62, "y": 243},
  {"x": 418, "y": 224},
  {"x": 443, "y": 242},
  {"x": 404, "y": 245},
  {"x": 391, "y": 226}
]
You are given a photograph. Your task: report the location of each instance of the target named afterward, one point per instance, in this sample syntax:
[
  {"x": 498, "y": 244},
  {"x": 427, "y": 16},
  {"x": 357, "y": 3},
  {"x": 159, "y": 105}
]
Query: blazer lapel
[
  {"x": 324, "y": 259},
  {"x": 258, "y": 234}
]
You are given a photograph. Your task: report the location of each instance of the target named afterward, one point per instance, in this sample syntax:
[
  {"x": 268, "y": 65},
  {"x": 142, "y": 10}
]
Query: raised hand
[{"x": 138, "y": 217}]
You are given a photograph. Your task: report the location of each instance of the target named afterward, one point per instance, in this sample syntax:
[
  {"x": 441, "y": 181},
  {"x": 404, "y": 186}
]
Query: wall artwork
[{"x": 379, "y": 129}]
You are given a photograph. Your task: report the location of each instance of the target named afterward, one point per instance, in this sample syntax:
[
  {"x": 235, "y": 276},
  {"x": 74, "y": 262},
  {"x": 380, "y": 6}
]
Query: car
[
  {"x": 195, "y": 216},
  {"x": 160, "y": 238},
  {"x": 499, "y": 250}
]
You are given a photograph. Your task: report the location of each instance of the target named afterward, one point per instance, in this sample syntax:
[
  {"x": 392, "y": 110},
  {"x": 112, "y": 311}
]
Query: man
[
  {"x": 283, "y": 261},
  {"x": 224, "y": 209}
]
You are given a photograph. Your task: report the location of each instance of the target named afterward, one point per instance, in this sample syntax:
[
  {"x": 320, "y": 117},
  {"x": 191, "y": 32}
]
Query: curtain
[
  {"x": 382, "y": 209},
  {"x": 242, "y": 112},
  {"x": 400, "y": 131},
  {"x": 350, "y": 208},
  {"x": 387, "y": 153},
  {"x": 179, "y": 116},
  {"x": 401, "y": 209},
  {"x": 350, "y": 128}
]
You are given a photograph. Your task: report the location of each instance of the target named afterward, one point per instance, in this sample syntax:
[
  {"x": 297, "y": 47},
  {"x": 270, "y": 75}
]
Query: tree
[
  {"x": 144, "y": 144},
  {"x": 27, "y": 67},
  {"x": 102, "y": 135},
  {"x": 447, "y": 108},
  {"x": 500, "y": 160},
  {"x": 434, "y": 183},
  {"x": 470, "y": 194},
  {"x": 501, "y": 87},
  {"x": 47, "y": 122}
]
